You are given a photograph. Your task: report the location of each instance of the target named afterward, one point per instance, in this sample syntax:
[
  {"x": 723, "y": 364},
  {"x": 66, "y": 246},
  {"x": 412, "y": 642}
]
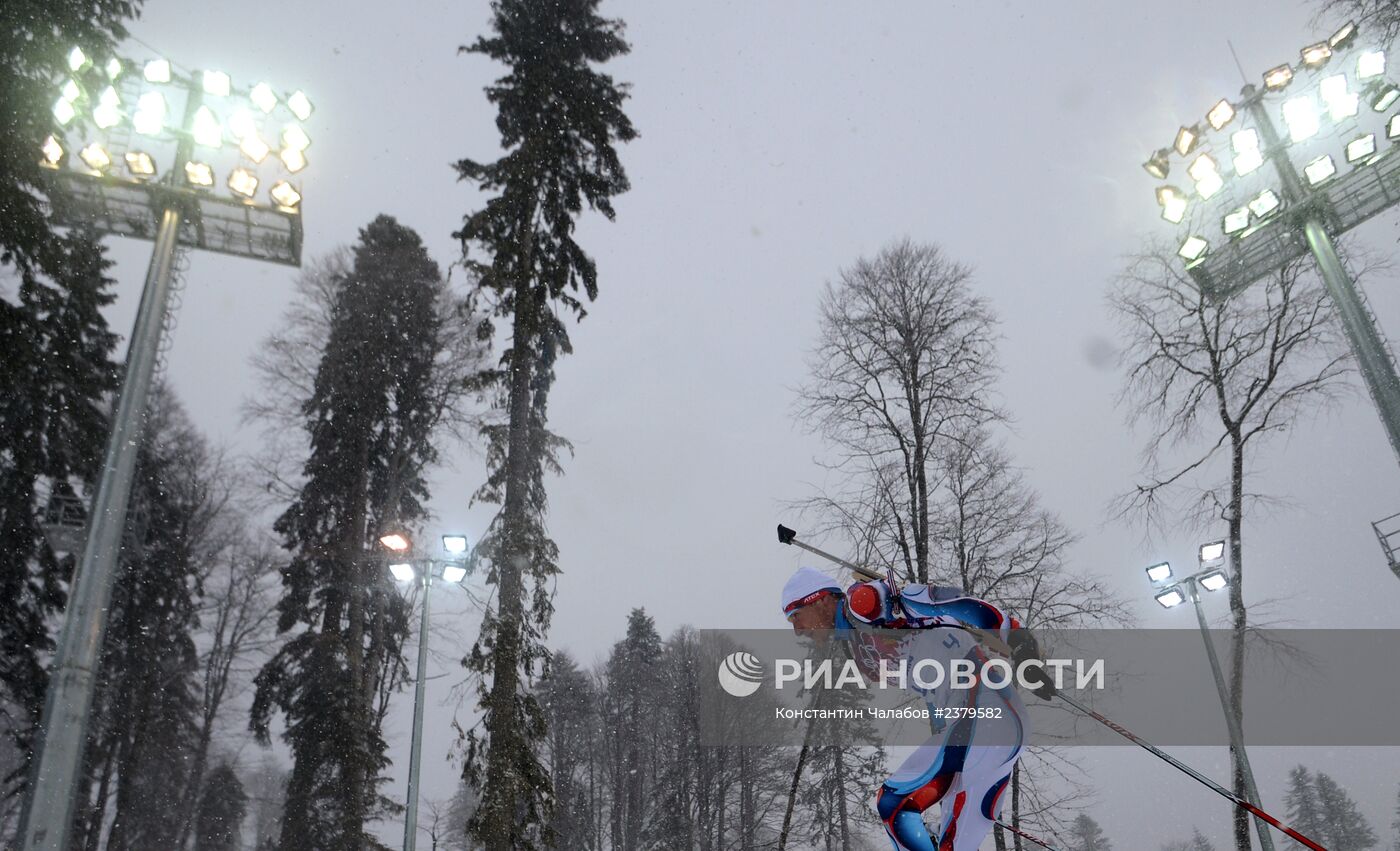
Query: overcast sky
[{"x": 779, "y": 142}]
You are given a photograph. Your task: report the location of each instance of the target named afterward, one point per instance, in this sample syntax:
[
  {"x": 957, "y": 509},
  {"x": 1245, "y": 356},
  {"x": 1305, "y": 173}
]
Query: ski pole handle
[{"x": 789, "y": 536}]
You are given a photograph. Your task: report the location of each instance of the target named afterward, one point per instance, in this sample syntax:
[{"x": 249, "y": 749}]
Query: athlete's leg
[
  {"x": 919, "y": 783},
  {"x": 973, "y": 800}
]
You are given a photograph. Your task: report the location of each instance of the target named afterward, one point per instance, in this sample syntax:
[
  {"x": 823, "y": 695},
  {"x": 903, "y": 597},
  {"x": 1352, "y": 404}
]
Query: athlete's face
[{"x": 814, "y": 618}]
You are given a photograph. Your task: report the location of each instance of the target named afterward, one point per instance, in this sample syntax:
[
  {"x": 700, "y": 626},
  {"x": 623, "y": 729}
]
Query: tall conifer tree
[
  {"x": 370, "y": 421},
  {"x": 559, "y": 119},
  {"x": 55, "y": 371}
]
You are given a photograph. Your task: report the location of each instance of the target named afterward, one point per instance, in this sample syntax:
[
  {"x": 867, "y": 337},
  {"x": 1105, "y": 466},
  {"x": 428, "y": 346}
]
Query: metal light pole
[
  {"x": 1377, "y": 365},
  {"x": 108, "y": 202},
  {"x": 410, "y": 823},
  {"x": 1236, "y": 734},
  {"x": 425, "y": 570},
  {"x": 1172, "y": 596}
]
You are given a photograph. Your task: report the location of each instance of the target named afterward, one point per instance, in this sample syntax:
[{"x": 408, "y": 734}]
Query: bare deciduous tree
[
  {"x": 902, "y": 385},
  {"x": 237, "y": 614},
  {"x": 1212, "y": 381},
  {"x": 905, "y": 362}
]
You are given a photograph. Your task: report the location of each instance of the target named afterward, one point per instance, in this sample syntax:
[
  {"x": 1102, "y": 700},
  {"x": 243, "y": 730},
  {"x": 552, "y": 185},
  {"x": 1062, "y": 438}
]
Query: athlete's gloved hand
[{"x": 1024, "y": 648}]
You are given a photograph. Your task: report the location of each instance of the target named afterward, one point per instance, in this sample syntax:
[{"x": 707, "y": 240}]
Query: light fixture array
[
  {"x": 1342, "y": 79},
  {"x": 120, "y": 93}
]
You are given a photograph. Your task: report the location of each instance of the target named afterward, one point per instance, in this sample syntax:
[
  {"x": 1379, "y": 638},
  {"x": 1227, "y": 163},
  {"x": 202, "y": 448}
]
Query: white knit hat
[{"x": 806, "y": 586}]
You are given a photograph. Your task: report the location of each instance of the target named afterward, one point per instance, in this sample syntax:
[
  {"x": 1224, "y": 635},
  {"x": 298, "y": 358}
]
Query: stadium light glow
[
  {"x": 395, "y": 541},
  {"x": 1186, "y": 139},
  {"x": 1211, "y": 552},
  {"x": 1341, "y": 103},
  {"x": 285, "y": 195},
  {"x": 107, "y": 113},
  {"x": 96, "y": 157},
  {"x": 454, "y": 544},
  {"x": 76, "y": 59},
  {"x": 241, "y": 123},
  {"x": 1173, "y": 203},
  {"x": 295, "y": 138},
  {"x": 1170, "y": 598},
  {"x": 1319, "y": 169},
  {"x": 63, "y": 112},
  {"x": 1382, "y": 95},
  {"x": 1370, "y": 64},
  {"x": 454, "y": 572},
  {"x": 1265, "y": 203},
  {"x": 114, "y": 68},
  {"x": 216, "y": 83},
  {"x": 1278, "y": 78},
  {"x": 199, "y": 174},
  {"x": 1193, "y": 248},
  {"x": 263, "y": 97},
  {"x": 1300, "y": 114},
  {"x": 402, "y": 571},
  {"x": 53, "y": 153},
  {"x": 1316, "y": 55},
  {"x": 157, "y": 71},
  {"x": 1361, "y": 147},
  {"x": 254, "y": 148},
  {"x": 300, "y": 105},
  {"x": 293, "y": 159},
  {"x": 1342, "y": 38},
  {"x": 1392, "y": 127},
  {"x": 243, "y": 182},
  {"x": 206, "y": 128},
  {"x": 1236, "y": 221},
  {"x": 1214, "y": 581},
  {"x": 1158, "y": 165},
  {"x": 1159, "y": 572},
  {"x": 150, "y": 114},
  {"x": 70, "y": 91},
  {"x": 1206, "y": 173},
  {"x": 1220, "y": 114},
  {"x": 140, "y": 164}
]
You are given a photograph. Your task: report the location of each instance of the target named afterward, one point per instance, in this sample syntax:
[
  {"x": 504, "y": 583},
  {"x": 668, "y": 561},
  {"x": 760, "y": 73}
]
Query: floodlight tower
[
  {"x": 104, "y": 101},
  {"x": 406, "y": 568},
  {"x": 1258, "y": 225},
  {"x": 1211, "y": 576}
]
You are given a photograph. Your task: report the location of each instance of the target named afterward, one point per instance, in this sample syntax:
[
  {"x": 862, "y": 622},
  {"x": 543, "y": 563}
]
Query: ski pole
[
  {"x": 789, "y": 536},
  {"x": 1192, "y": 773},
  {"x": 1024, "y": 835}
]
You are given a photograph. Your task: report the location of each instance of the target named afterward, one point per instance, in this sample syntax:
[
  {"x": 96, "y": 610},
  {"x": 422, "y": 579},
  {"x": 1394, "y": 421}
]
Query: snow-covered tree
[
  {"x": 559, "y": 118},
  {"x": 1344, "y": 828},
  {"x": 370, "y": 421},
  {"x": 222, "y": 805},
  {"x": 1086, "y": 835}
]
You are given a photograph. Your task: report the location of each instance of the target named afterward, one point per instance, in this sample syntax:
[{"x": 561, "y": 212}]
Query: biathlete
[{"x": 968, "y": 763}]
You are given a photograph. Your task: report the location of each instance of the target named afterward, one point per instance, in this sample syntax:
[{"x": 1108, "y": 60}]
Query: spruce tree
[
  {"x": 55, "y": 370},
  {"x": 218, "y": 824},
  {"x": 370, "y": 423},
  {"x": 558, "y": 118},
  {"x": 1086, "y": 835},
  {"x": 1344, "y": 828},
  {"x": 1304, "y": 810}
]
